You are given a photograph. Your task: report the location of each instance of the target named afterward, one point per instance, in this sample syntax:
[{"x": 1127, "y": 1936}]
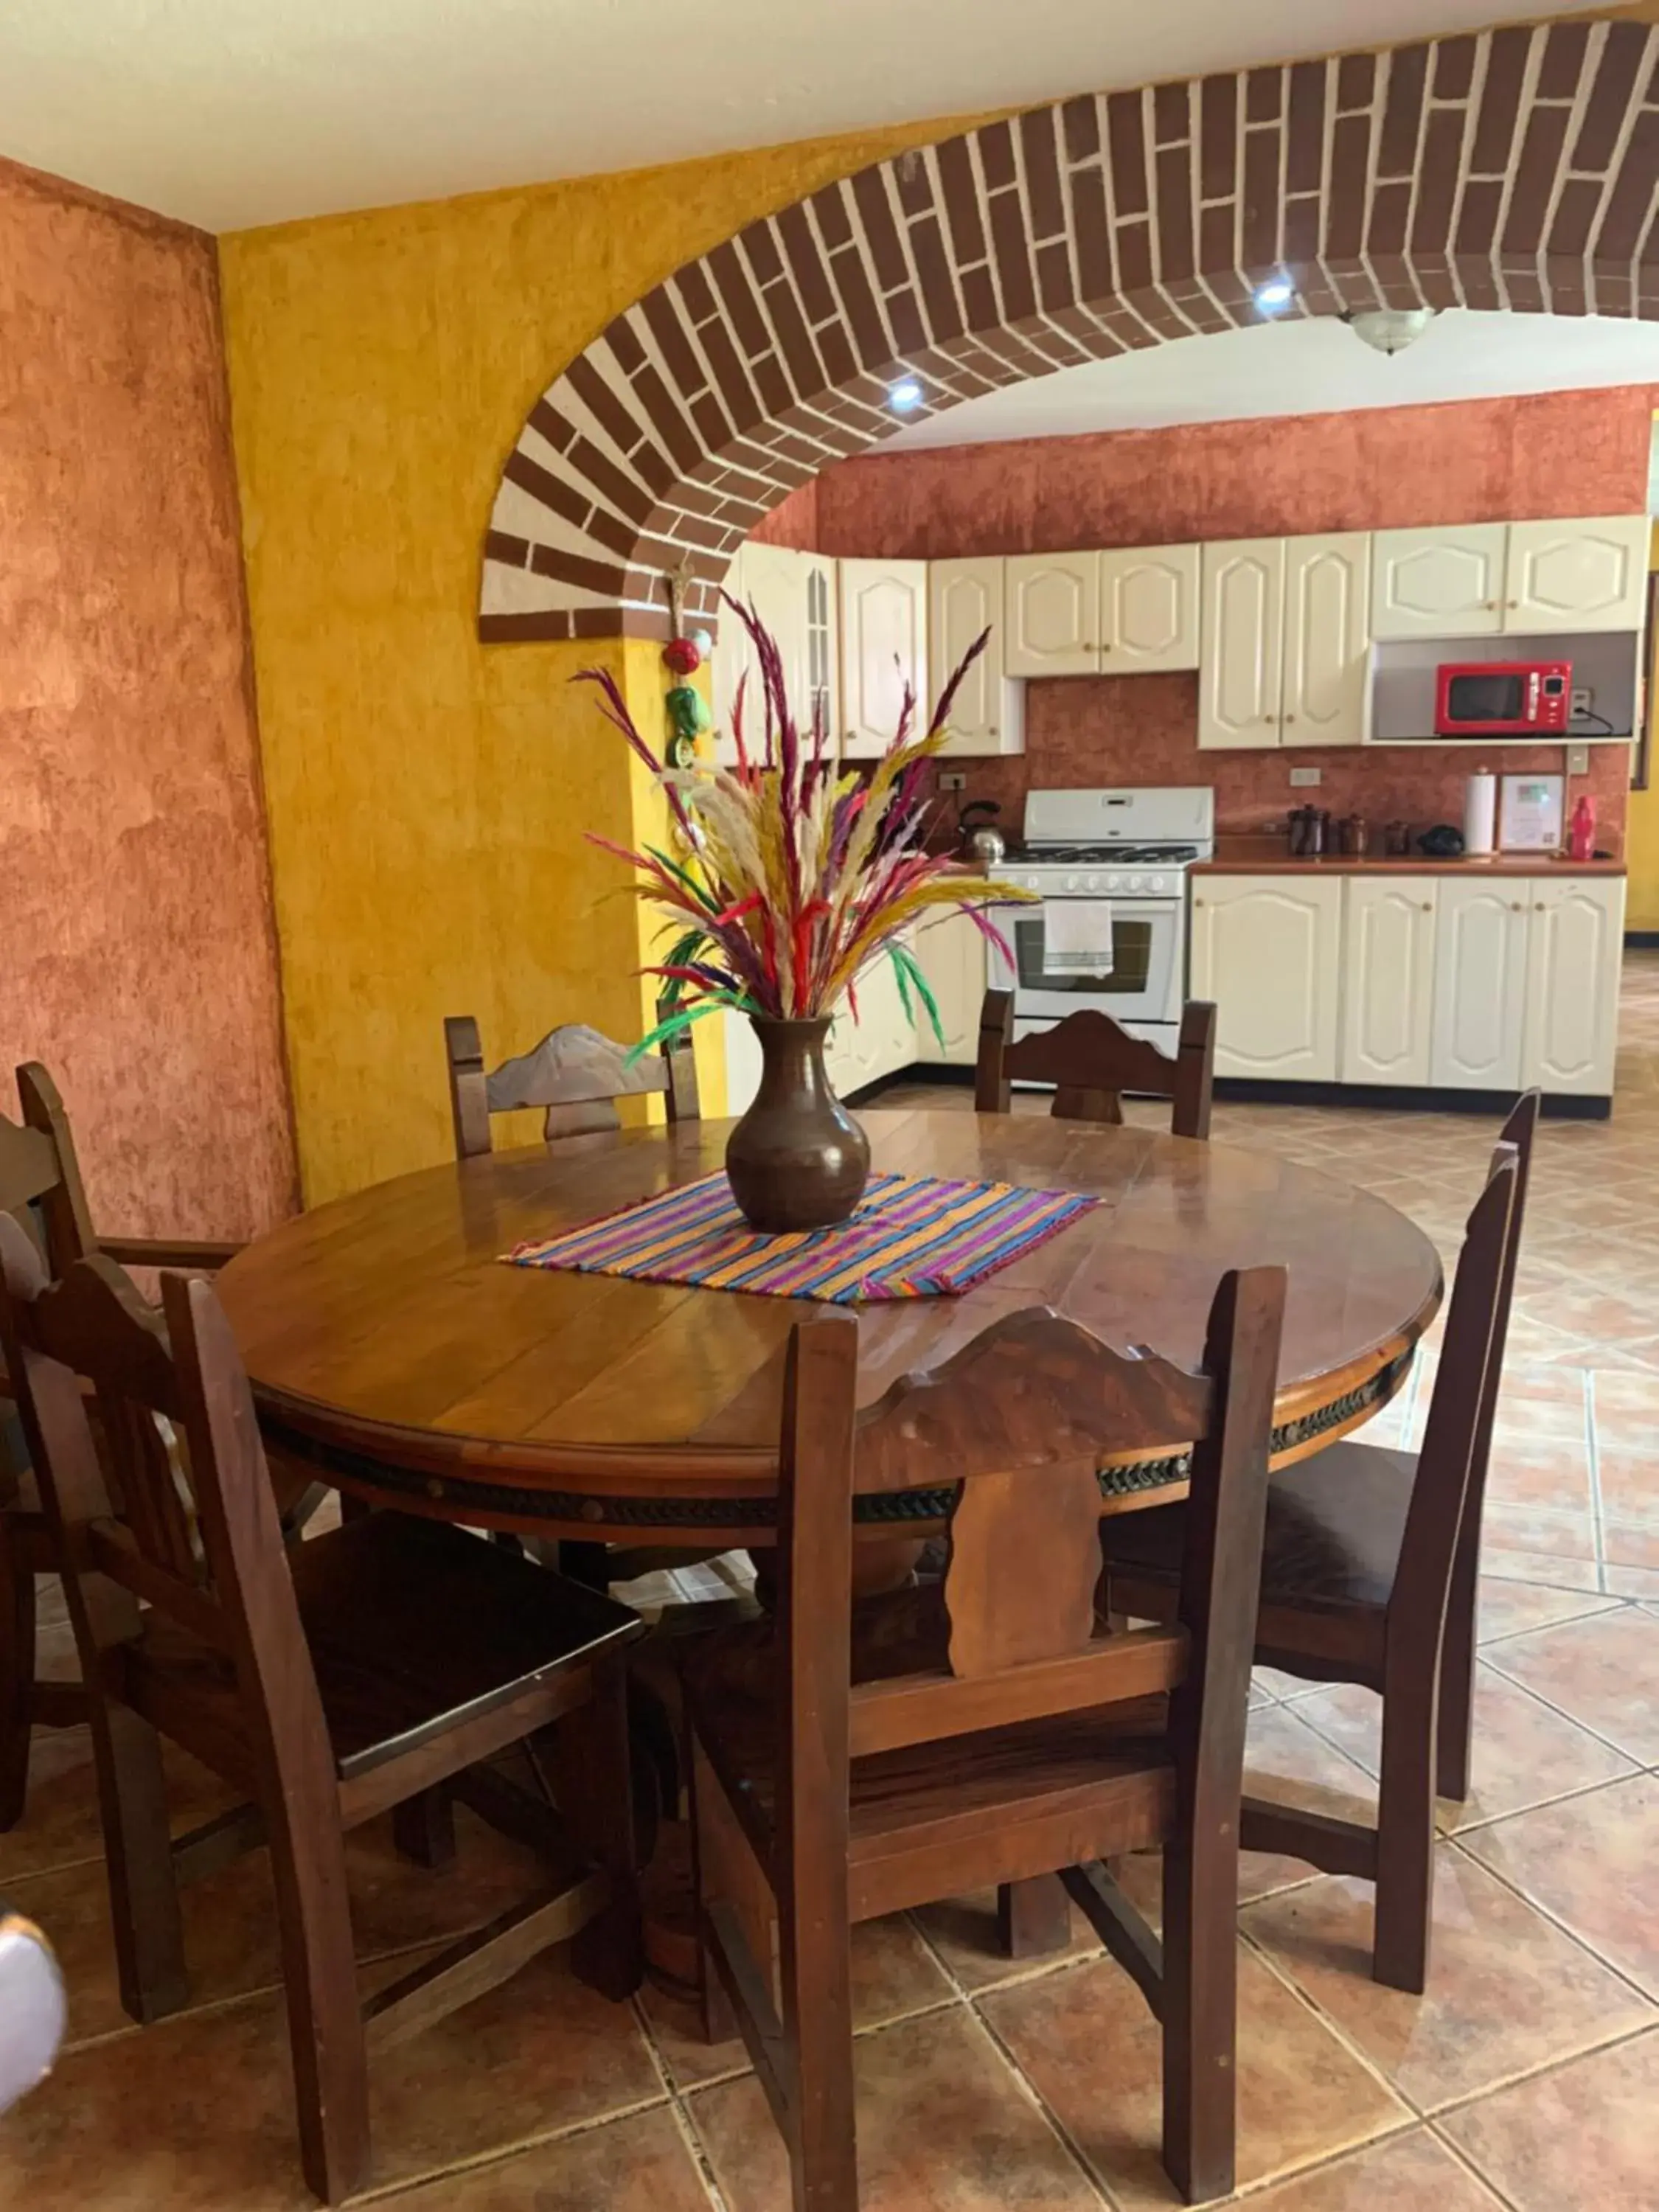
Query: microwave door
[{"x": 1473, "y": 700}]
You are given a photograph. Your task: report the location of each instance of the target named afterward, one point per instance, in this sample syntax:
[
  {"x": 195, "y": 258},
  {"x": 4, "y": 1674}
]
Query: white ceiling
[
  {"x": 231, "y": 112},
  {"x": 1313, "y": 366}
]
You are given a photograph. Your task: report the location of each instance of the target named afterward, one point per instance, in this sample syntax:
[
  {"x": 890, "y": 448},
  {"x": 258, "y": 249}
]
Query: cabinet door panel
[
  {"x": 1480, "y": 985},
  {"x": 952, "y": 956},
  {"x": 1438, "y": 583},
  {"x": 1053, "y": 606},
  {"x": 821, "y": 589},
  {"x": 1387, "y": 978},
  {"x": 1327, "y": 639},
  {"x": 1267, "y": 950},
  {"x": 884, "y": 641},
  {"x": 732, "y": 660},
  {"x": 964, "y": 598},
  {"x": 1149, "y": 609},
  {"x": 1240, "y": 665},
  {"x": 1577, "y": 575},
  {"x": 1575, "y": 943}
]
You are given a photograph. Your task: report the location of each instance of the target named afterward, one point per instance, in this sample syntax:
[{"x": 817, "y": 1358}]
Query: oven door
[{"x": 1143, "y": 982}]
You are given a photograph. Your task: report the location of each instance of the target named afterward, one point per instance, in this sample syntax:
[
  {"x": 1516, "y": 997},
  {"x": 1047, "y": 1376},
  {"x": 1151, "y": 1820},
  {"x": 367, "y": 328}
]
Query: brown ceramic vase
[{"x": 796, "y": 1159}]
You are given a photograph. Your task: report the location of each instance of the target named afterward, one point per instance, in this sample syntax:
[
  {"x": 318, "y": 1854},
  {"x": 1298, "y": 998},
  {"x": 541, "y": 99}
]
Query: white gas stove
[{"x": 1111, "y": 932}]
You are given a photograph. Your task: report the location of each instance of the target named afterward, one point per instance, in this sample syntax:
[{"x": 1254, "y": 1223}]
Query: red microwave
[{"x": 1502, "y": 698}]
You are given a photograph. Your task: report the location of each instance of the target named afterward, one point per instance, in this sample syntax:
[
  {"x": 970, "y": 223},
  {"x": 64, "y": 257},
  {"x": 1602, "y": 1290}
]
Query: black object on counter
[{"x": 1443, "y": 843}]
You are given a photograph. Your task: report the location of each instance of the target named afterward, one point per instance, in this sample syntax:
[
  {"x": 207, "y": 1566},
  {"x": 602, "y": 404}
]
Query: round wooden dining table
[{"x": 392, "y": 1350}]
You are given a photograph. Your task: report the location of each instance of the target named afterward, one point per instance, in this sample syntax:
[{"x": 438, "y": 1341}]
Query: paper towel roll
[{"x": 1479, "y": 811}]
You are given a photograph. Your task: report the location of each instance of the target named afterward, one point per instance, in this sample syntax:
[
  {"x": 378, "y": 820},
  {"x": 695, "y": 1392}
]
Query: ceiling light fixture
[
  {"x": 904, "y": 398},
  {"x": 1388, "y": 329},
  {"x": 1275, "y": 296}
]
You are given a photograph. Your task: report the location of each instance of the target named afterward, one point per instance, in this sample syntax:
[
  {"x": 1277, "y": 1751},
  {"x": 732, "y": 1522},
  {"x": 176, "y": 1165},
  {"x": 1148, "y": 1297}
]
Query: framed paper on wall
[{"x": 1531, "y": 813}]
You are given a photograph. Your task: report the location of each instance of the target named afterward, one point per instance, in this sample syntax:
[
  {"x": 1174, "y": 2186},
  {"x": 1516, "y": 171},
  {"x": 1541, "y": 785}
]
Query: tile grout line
[
  {"x": 696, "y": 2149},
  {"x": 1564, "y": 1927},
  {"x": 503, "y": 2155},
  {"x": 1441, "y": 2113},
  {"x": 1283, "y": 1975},
  {"x": 1560, "y": 1711},
  {"x": 1460, "y": 2157}
]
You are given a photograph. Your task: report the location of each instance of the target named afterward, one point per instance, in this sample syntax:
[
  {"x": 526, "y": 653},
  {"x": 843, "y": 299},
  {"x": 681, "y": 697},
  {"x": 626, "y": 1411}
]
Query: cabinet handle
[
  {"x": 1518, "y": 906},
  {"x": 1197, "y": 902},
  {"x": 1515, "y": 603},
  {"x": 1289, "y": 718},
  {"x": 1491, "y": 606},
  {"x": 1428, "y": 906},
  {"x": 1538, "y": 906}
]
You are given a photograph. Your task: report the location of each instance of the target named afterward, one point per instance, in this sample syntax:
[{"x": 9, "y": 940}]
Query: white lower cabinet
[
  {"x": 1575, "y": 940},
  {"x": 880, "y": 1043},
  {"x": 951, "y": 954},
  {"x": 1387, "y": 978},
  {"x": 1267, "y": 950},
  {"x": 1480, "y": 984}
]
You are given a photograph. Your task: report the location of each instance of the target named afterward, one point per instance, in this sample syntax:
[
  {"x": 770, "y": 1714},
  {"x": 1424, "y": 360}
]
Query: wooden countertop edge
[{"x": 1349, "y": 864}]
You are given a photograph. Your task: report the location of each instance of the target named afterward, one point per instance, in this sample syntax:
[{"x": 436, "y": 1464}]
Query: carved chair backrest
[
  {"x": 185, "y": 1520},
  {"x": 1018, "y": 1423},
  {"x": 39, "y": 1175},
  {"x": 1091, "y": 1060},
  {"x": 575, "y": 1072}
]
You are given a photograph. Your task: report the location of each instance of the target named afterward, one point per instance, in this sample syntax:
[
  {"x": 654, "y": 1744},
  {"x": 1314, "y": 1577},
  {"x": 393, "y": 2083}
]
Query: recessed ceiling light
[
  {"x": 1275, "y": 296},
  {"x": 904, "y": 398}
]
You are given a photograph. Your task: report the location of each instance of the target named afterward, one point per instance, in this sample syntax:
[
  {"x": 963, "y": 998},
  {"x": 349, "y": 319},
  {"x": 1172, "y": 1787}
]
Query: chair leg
[
  {"x": 595, "y": 1794},
  {"x": 1406, "y": 1835},
  {"x": 423, "y": 1829},
  {"x": 817, "y": 2028},
  {"x": 1199, "y": 2013},
  {"x": 1453, "y": 1760},
  {"x": 148, "y": 1928},
  {"x": 1034, "y": 1918},
  {"x": 319, "y": 1986},
  {"x": 16, "y": 1677}
]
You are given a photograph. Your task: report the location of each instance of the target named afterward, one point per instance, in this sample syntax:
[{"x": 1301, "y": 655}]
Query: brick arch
[{"x": 1517, "y": 168}]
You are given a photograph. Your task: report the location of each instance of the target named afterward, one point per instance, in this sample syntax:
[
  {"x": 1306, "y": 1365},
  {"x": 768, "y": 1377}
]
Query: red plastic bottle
[{"x": 1580, "y": 837}]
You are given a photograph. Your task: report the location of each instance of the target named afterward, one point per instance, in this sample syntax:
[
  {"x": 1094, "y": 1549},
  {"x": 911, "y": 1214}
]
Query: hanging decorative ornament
[
  {"x": 702, "y": 638},
  {"x": 688, "y": 718},
  {"x": 682, "y": 656}
]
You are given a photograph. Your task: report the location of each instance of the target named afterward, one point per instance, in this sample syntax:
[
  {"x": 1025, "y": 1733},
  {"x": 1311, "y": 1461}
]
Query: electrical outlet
[
  {"x": 1577, "y": 759},
  {"x": 952, "y": 779},
  {"x": 1582, "y": 701},
  {"x": 1303, "y": 779}
]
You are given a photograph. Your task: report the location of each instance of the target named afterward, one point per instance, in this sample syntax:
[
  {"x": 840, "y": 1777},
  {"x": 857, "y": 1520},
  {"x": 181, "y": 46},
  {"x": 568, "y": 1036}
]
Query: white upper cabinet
[
  {"x": 1053, "y": 608},
  {"x": 1148, "y": 610},
  {"x": 883, "y": 645},
  {"x": 1387, "y": 978},
  {"x": 820, "y": 590},
  {"x": 1327, "y": 693},
  {"x": 1480, "y": 984},
  {"x": 1242, "y": 642},
  {"x": 733, "y": 658},
  {"x": 794, "y": 595},
  {"x": 1575, "y": 940},
  {"x": 1439, "y": 583},
  {"x": 1577, "y": 575},
  {"x": 964, "y": 598}
]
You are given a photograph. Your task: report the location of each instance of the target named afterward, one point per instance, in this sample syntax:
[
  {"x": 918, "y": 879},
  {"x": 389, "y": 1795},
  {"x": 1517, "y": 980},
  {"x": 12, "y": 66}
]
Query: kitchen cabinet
[
  {"x": 1149, "y": 617},
  {"x": 743, "y": 1061},
  {"x": 1267, "y": 950},
  {"x": 1053, "y": 608},
  {"x": 1575, "y": 942},
  {"x": 883, "y": 645},
  {"x": 1130, "y": 613},
  {"x": 1480, "y": 983},
  {"x": 1387, "y": 978},
  {"x": 1576, "y": 575},
  {"x": 1439, "y": 582},
  {"x": 1241, "y": 649},
  {"x": 880, "y": 1043},
  {"x": 1325, "y": 694},
  {"x": 951, "y": 954},
  {"x": 964, "y": 598},
  {"x": 794, "y": 594}
]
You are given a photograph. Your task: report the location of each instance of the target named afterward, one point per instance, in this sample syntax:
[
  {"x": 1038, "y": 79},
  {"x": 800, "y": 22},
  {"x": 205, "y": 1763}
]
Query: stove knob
[
  {"x": 1114, "y": 883},
  {"x": 1091, "y": 883},
  {"x": 1134, "y": 883},
  {"x": 1070, "y": 883},
  {"x": 1159, "y": 884}
]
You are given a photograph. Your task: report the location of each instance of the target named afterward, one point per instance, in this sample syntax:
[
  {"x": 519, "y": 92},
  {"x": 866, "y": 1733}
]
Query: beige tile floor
[{"x": 1527, "y": 2077}]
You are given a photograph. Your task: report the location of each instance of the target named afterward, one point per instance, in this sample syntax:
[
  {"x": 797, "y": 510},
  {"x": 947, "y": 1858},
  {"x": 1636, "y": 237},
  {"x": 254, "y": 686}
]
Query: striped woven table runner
[{"x": 913, "y": 1236}]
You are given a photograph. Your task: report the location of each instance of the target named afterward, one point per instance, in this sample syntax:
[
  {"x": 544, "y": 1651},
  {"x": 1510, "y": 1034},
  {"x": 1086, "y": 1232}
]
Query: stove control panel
[{"x": 1098, "y": 883}]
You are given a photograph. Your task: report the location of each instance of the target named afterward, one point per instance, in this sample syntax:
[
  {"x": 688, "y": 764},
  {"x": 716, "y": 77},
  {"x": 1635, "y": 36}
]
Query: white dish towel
[{"x": 1077, "y": 937}]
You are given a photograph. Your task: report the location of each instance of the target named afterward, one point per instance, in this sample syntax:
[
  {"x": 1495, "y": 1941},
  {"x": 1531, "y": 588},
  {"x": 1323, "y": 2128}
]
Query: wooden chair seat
[
  {"x": 368, "y": 1595},
  {"x": 1335, "y": 1524}
]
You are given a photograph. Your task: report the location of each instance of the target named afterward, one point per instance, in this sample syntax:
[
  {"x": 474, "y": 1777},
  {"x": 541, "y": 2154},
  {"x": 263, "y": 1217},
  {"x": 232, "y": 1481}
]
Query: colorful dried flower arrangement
[{"x": 789, "y": 879}]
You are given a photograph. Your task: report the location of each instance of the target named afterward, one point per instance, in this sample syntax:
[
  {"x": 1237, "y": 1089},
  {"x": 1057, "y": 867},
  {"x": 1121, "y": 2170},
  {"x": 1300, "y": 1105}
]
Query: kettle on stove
[{"x": 978, "y": 837}]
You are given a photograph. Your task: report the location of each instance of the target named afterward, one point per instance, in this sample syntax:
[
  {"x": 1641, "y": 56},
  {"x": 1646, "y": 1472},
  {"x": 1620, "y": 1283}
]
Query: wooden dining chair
[
  {"x": 1361, "y": 1562},
  {"x": 40, "y": 1186},
  {"x": 986, "y": 1728},
  {"x": 576, "y": 1073},
  {"x": 1092, "y": 1061},
  {"x": 326, "y": 1683}
]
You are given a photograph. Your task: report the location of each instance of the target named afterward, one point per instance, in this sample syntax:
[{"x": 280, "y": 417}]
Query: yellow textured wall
[{"x": 428, "y": 795}]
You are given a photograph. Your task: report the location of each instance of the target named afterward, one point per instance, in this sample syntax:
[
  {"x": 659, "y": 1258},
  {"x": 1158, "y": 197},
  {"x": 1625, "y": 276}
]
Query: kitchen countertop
[{"x": 1266, "y": 856}]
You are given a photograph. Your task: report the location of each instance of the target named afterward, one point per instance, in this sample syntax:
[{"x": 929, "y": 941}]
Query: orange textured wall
[
  {"x": 138, "y": 957},
  {"x": 1559, "y": 453}
]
